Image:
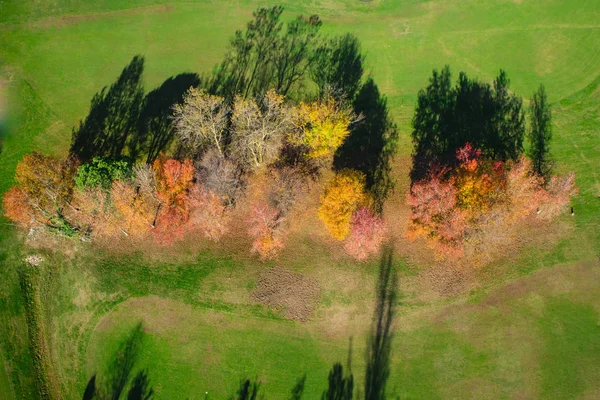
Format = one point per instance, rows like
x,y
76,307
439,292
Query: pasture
x,y
523,327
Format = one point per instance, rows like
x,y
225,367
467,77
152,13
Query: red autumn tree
x,y
435,214
173,181
264,223
367,232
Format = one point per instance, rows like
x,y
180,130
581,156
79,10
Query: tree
x,y
101,172
343,195
367,233
47,181
17,208
258,130
446,118
207,213
220,175
48,184
540,133
201,120
135,209
93,212
266,56
293,52
264,224
323,126
173,179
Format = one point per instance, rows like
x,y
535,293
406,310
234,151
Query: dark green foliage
x,y
113,116
488,117
338,66
101,172
372,142
340,387
380,341
263,57
540,133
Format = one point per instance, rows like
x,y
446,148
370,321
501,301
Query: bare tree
x,y
201,120
258,130
220,175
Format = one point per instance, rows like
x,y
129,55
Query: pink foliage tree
x,y
367,233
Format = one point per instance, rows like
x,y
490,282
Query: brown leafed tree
x,y
207,213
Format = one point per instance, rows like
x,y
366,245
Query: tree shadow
x,y
337,66
248,390
90,389
122,120
113,116
119,373
140,387
339,385
380,340
298,389
372,143
155,131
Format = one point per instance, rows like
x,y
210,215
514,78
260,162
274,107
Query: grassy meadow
x,y
527,329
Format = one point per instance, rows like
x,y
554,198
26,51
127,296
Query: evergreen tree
x,y
540,133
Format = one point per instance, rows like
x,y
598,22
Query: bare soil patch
x,y
293,294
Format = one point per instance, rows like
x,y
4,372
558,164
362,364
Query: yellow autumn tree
x,y
344,194
323,126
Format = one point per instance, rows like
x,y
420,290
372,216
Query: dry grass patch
x,y
293,294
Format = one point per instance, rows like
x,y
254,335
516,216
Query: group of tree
x,y
252,119
473,188
255,119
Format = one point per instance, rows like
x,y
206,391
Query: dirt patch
x,y
295,295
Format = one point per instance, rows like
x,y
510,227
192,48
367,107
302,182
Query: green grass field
x,y
531,331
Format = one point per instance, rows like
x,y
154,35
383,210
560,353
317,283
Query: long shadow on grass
x,y
119,373
155,130
122,120
380,339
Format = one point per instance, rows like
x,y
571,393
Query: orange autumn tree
x,y
44,190
478,182
173,181
264,227
17,208
343,195
135,210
